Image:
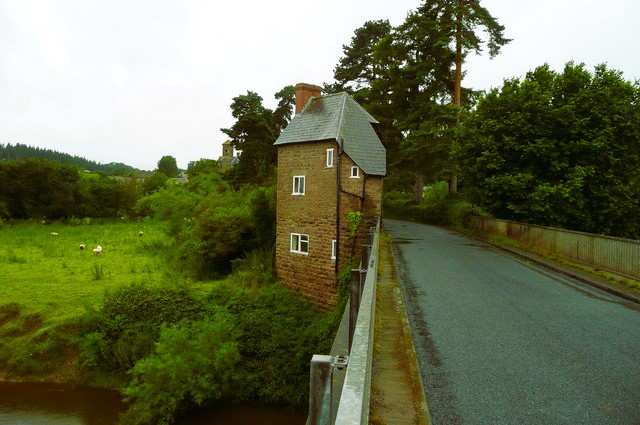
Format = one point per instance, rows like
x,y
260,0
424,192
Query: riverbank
x,y
63,404
74,317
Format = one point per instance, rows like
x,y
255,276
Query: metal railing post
x,y
366,252
320,391
354,302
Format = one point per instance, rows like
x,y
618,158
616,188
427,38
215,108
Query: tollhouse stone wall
x,y
315,214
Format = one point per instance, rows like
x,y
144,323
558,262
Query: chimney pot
x,y
304,92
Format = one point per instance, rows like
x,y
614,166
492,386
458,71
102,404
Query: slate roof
x,y
339,117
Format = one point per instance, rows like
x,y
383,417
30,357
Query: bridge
x,y
497,338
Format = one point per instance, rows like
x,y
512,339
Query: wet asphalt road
x,y
501,341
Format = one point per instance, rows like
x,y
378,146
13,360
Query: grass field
x,y
47,282
50,273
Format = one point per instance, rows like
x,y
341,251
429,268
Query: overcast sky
x,y
133,80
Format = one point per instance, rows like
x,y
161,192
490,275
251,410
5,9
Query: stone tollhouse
x,y
331,162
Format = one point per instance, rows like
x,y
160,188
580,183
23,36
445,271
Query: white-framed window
x,y
329,158
355,172
300,243
298,185
334,249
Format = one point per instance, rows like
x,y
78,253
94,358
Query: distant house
x,y
331,162
227,160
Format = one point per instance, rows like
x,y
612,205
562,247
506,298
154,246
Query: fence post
x,y
354,303
366,253
320,391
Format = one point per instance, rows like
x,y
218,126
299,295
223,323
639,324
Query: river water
x,y
60,404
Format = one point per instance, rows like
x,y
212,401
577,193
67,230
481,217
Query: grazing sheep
x,y
140,233
54,233
82,247
97,250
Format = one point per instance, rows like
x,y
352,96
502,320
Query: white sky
x,y
133,80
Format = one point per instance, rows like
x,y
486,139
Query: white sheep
x,y
97,250
82,247
140,233
54,233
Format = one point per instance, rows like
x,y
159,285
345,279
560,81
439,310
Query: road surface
x,y
502,341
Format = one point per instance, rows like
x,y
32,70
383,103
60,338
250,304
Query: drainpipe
x,y
338,193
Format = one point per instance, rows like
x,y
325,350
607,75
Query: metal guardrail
x,y
617,255
352,408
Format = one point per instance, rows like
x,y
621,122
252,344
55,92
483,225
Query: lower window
x,y
300,243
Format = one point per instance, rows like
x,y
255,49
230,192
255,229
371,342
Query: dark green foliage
x,y
37,188
168,166
278,333
254,132
262,202
356,70
211,223
223,231
194,363
437,206
245,341
558,149
154,182
404,76
19,152
127,326
202,166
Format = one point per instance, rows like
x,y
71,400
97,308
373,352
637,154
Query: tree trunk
x,y
457,90
418,187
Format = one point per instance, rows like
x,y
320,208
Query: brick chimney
x,y
304,92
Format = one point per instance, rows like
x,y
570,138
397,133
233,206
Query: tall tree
x,y
469,17
418,87
255,130
356,70
560,149
168,166
410,78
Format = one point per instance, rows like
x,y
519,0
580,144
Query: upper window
x,y
329,157
298,185
355,172
300,243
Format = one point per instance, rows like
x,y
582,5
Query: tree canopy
x,y
559,149
168,166
409,78
19,151
254,132
38,188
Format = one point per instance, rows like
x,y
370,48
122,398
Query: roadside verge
x,y
398,396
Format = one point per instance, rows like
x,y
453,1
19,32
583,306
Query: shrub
x,y
194,363
397,204
255,270
126,328
278,333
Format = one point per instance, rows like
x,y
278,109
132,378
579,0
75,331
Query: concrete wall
x,y
617,255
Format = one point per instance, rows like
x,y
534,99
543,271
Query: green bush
x,y
194,363
278,333
437,206
396,204
256,270
128,325
435,193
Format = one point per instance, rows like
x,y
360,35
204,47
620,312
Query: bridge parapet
x,y
616,255
351,407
